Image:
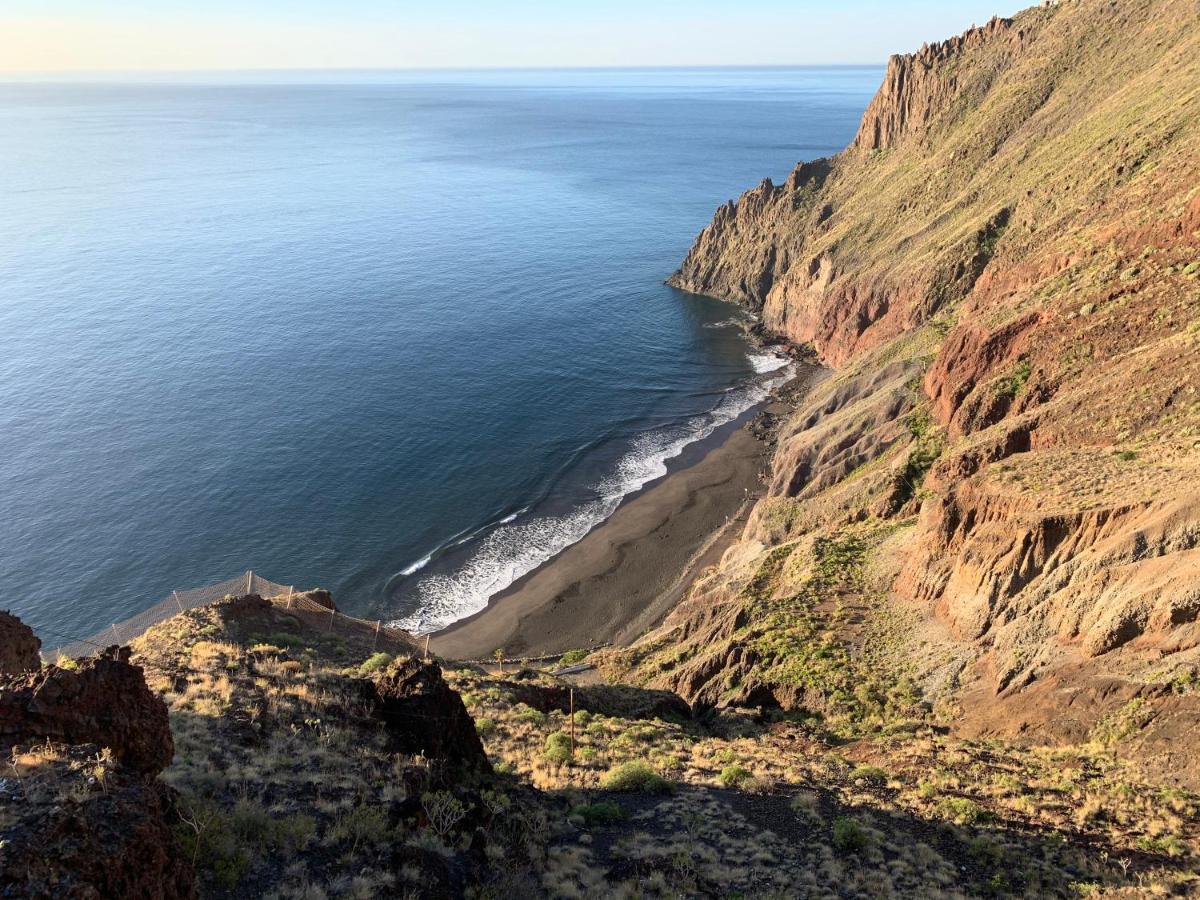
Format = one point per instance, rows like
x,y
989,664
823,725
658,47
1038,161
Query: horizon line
x,y
385,69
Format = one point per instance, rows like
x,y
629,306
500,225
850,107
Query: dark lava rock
x,y
105,701
425,716
115,842
19,646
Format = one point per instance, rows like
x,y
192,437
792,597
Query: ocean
x,y
400,335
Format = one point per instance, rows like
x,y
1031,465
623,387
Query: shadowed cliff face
x,y
1004,270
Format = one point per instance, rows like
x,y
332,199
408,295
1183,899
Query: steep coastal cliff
x,y
1003,271
952,650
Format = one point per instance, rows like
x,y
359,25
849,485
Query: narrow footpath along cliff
x,y
995,501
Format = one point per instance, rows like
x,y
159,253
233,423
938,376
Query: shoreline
x,y
623,577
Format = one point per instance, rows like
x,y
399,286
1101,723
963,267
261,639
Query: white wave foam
x,y
418,565
514,516
513,549
765,361
726,323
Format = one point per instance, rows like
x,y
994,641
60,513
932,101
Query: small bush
x,y
484,726
848,835
374,663
362,826
558,747
604,812
634,776
871,775
734,776
573,657
443,810
531,715
961,810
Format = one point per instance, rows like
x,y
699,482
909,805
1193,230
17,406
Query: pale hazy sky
x,y
58,35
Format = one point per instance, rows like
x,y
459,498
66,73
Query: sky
x,y
175,35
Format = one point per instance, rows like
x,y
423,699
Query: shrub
x,y
961,810
872,775
375,662
531,715
443,810
848,835
734,776
634,776
362,826
484,726
604,812
558,747
573,657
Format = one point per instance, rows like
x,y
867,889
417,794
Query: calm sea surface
x,y
404,336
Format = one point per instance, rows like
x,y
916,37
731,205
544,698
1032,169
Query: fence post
x,y
332,613
290,590
426,648
375,639
572,696
116,634
249,580
178,602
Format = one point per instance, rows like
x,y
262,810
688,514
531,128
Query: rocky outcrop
x,y
919,87
20,649
1031,577
969,356
87,817
424,716
104,701
115,841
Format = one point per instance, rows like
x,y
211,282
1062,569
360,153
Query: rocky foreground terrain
x,y
954,653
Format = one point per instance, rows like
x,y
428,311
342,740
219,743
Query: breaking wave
x,y
518,544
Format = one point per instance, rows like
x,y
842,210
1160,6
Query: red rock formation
x,y
19,646
1014,228
105,701
919,87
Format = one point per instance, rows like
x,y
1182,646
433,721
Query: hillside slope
x,y
995,496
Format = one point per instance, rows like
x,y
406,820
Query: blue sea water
x,y
402,335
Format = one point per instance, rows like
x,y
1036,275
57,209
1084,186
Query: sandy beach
x,y
626,574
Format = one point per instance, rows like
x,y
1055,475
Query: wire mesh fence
x,y
366,634
313,614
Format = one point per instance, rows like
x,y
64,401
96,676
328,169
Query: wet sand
x,y
627,573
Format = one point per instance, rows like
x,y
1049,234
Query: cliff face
x,y
920,87
1003,269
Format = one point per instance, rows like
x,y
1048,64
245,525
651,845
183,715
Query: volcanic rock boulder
x,y
19,647
112,842
105,701
424,716
76,822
